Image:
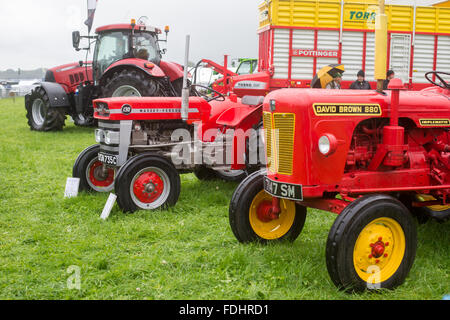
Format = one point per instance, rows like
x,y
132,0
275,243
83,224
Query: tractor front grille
x,y
112,149
280,131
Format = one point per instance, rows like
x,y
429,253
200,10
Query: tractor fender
x,y
241,117
149,68
57,96
173,70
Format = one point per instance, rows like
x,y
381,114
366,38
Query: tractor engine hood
x,y
297,119
149,108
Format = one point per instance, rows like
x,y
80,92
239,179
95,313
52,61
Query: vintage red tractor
x,y
127,62
144,144
375,159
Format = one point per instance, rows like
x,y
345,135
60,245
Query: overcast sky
x,y
37,33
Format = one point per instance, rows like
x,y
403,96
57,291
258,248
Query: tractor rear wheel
x,y
231,175
178,86
251,219
131,83
82,120
439,213
41,116
207,174
372,245
147,182
94,177
204,173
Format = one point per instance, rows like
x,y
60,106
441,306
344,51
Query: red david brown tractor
x,y
141,141
375,159
127,62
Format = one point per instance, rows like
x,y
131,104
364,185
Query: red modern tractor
x,y
376,159
127,62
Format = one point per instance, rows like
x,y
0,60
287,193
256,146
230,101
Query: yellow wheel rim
x,y
425,197
274,229
379,250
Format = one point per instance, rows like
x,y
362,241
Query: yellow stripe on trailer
x,y
357,14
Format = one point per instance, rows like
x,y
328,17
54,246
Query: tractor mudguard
x,y
237,117
149,68
173,70
58,97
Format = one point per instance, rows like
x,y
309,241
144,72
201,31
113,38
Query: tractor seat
x,y
253,101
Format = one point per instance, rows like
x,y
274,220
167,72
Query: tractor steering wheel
x,y
220,96
443,84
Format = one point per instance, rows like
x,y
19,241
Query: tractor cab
x,y
123,41
119,42
247,66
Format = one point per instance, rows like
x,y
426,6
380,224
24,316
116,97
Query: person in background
x,y
389,76
143,54
361,83
336,83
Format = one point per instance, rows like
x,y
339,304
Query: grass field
x,y
188,252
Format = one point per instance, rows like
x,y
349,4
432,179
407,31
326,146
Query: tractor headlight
x,y
99,136
328,144
112,137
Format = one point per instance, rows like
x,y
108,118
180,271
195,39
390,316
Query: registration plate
x,y
283,190
108,159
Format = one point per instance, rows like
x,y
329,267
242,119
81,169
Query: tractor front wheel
x,y
93,175
251,217
147,182
41,116
372,245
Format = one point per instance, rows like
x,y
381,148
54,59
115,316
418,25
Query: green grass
x,y
188,252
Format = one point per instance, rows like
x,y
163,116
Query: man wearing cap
x,y
336,83
361,83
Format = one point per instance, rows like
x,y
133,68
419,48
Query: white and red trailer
x,y
299,37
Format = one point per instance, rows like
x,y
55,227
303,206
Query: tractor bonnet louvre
x,y
284,125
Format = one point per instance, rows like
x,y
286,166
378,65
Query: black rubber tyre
x,y
425,214
349,230
178,86
88,169
205,174
81,120
231,176
240,214
143,84
42,117
134,169
421,215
